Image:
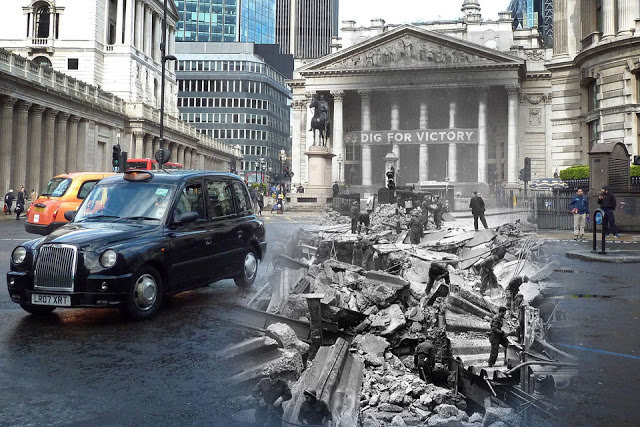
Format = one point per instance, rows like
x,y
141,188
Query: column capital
x,y
37,109
138,134
62,116
299,104
338,94
512,90
364,93
50,114
7,101
22,106
75,120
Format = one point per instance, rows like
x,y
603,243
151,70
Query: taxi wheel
x,y
247,276
37,310
145,296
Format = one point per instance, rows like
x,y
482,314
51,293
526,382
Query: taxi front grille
x,y
56,267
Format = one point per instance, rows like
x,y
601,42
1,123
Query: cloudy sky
x,y
407,11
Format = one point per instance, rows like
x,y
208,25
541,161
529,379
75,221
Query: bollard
x,y
598,217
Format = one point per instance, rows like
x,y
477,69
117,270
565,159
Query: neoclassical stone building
x,y
77,77
465,101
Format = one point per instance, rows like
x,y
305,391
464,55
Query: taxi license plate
x,y
57,300
37,209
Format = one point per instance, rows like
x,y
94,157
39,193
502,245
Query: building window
x,y
43,20
594,134
72,63
594,103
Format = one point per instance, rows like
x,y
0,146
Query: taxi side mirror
x,y
70,215
185,218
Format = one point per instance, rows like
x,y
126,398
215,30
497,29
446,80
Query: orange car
x,y
63,193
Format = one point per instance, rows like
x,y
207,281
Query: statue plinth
x,y
319,159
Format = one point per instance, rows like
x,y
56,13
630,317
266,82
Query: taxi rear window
x,y
57,187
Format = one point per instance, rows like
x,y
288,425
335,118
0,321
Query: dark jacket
x,y
355,212
270,391
496,333
314,413
424,351
608,201
476,204
437,270
581,203
8,198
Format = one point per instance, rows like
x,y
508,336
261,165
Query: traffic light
x,y
286,171
527,169
115,158
521,176
391,174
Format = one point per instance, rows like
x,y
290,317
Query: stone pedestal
x,y
317,192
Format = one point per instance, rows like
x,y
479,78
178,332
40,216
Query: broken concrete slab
x,y
389,320
383,289
287,338
481,237
371,344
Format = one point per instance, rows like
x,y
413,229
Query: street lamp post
x,y
339,167
162,155
262,168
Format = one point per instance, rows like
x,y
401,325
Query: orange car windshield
x,y
57,187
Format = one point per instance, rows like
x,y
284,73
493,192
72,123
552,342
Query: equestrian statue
x,y
320,119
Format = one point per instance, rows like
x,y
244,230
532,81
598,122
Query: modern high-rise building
x,y
226,21
534,13
305,28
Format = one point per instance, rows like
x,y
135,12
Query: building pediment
x,y
409,47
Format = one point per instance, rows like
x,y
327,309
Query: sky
x,y
408,11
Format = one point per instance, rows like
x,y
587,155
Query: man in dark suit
x,y
477,209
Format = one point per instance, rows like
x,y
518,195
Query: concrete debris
x,y
385,305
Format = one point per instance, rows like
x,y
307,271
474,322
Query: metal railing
x,y
343,202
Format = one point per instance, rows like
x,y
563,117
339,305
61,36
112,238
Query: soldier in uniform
x,y
497,337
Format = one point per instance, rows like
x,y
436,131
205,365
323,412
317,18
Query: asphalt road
x,y
94,367
601,302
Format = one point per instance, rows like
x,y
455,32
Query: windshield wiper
x,y
137,218
97,216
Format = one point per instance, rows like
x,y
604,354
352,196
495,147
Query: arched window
x,y
43,61
42,22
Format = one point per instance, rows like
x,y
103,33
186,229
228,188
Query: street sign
x,y
598,218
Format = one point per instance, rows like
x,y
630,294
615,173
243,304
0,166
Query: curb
x,y
612,256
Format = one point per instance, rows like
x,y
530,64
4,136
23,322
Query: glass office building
x,y
226,21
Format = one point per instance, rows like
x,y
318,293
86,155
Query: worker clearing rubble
x,y
415,228
513,288
424,358
497,337
437,271
357,254
314,412
271,392
485,267
355,215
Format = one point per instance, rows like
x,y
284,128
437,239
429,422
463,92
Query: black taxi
x,y
138,237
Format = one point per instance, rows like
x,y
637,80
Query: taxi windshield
x,y
126,201
57,187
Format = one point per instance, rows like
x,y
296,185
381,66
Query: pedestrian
x,y
367,254
477,209
314,411
424,358
271,392
497,337
33,196
280,203
437,271
8,202
371,202
355,214
425,207
438,210
322,253
335,189
300,189
415,228
20,202
254,197
513,288
580,209
357,253
607,202
260,199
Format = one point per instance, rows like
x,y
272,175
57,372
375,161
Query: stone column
x,y
147,31
106,24
129,23
560,42
81,157
35,147
365,124
188,156
482,136
6,141
171,42
512,134
119,21
148,147
337,138
423,153
181,154
72,149
48,147
157,38
452,162
608,18
627,14
139,22
298,149
395,125
154,147
138,149
60,165
20,147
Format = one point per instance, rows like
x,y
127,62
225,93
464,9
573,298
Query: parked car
x,y
63,193
138,237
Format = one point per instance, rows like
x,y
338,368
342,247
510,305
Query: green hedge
x,y
582,171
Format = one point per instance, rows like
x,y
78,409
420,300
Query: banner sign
x,y
421,136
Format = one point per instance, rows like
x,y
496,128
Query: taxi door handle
x,y
240,234
208,242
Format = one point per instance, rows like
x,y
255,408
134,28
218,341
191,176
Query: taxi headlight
x,y
18,255
108,258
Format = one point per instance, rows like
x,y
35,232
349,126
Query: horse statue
x,y
320,119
